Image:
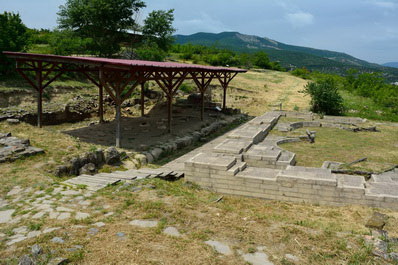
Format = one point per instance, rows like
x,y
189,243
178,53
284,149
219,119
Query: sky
x,y
366,29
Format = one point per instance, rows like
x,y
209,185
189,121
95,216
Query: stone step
x,y
286,159
238,167
259,173
233,146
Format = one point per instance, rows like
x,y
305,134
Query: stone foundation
x,y
250,163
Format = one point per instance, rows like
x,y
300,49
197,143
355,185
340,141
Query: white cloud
x,y
204,23
300,19
385,4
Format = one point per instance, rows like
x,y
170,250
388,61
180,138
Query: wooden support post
x,y
142,100
39,80
101,103
170,112
224,101
202,108
118,125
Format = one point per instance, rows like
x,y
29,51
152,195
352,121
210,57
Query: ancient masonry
x,y
248,162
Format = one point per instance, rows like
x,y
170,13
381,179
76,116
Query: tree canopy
x,y
104,21
158,28
13,37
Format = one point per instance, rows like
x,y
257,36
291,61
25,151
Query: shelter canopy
x,y
120,77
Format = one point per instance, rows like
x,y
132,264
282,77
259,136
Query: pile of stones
x,y
12,148
90,162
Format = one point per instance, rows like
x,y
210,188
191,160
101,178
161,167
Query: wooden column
x,y
118,126
39,80
169,82
202,81
225,78
101,103
142,100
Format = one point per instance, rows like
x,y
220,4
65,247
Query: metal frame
x,y
119,78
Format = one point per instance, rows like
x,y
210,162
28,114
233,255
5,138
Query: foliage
x,y
151,52
261,60
103,21
224,57
13,37
158,28
325,97
66,42
374,86
301,72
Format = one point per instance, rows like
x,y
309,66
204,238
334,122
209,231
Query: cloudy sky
x,y
367,29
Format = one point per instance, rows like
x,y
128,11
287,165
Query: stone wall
x,y
253,165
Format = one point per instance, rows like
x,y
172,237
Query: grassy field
x,y
331,144
315,234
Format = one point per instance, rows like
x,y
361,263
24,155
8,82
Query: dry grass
x,y
258,91
315,234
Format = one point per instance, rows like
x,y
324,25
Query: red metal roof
x,y
107,62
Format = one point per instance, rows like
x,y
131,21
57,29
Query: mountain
x,y
289,56
391,64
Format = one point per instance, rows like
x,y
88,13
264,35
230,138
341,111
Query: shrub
x,y
325,98
301,72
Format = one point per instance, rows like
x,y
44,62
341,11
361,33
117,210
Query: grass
x,y
339,145
315,234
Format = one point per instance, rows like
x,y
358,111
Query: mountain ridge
x,y
289,56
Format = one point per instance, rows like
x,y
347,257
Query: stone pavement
x,y
248,162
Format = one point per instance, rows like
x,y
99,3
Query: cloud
x,y
300,19
385,4
204,23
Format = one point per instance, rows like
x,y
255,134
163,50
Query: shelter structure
x,y
119,78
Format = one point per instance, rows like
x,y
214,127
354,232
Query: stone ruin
x,y
247,161
12,148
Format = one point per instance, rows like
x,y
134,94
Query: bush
x,y
301,72
325,98
13,37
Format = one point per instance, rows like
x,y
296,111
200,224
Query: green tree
x,y
325,97
261,60
103,21
158,28
13,37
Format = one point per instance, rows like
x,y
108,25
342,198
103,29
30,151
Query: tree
x,y
261,60
13,37
325,98
158,28
104,21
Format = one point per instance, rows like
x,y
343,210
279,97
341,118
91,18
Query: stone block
x,y
233,146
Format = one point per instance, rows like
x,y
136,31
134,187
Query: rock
x,y
393,256
57,240
112,156
13,121
38,215
292,258
74,166
36,250
93,231
49,230
20,230
63,209
81,216
6,216
15,239
141,158
99,224
220,247
99,157
33,234
144,223
62,171
63,216
156,152
172,231
149,157
58,261
120,234
257,258
15,191
26,260
377,221
88,169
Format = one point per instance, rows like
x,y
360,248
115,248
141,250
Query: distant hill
x,y
289,56
391,64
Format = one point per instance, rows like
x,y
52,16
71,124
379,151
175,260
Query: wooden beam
x,y
142,100
202,81
39,80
